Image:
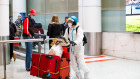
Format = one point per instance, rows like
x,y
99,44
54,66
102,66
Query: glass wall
x,y
47,8
113,15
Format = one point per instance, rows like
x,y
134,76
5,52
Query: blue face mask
x,y
19,17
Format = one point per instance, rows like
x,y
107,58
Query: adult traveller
x,y
75,34
28,33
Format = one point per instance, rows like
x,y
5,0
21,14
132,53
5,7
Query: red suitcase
x,y
16,44
64,68
65,53
45,66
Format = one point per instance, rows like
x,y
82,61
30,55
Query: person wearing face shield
x,y
75,34
28,33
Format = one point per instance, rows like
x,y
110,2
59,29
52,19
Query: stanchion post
x,y
39,47
44,46
4,59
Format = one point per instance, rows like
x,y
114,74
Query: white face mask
x,y
70,24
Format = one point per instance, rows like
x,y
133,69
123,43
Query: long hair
x,y
55,19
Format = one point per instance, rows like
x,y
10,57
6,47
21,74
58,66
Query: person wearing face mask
x,y
18,22
28,33
65,25
75,34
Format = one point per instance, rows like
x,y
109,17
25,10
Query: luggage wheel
x,y
45,76
60,77
68,59
67,78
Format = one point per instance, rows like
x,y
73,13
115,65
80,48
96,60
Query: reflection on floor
x,y
101,67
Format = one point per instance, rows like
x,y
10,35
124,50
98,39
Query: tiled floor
x,y
109,69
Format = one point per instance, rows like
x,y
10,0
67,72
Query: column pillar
x,y
90,21
4,27
19,6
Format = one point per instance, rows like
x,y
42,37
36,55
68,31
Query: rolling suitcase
x,y
16,44
64,68
45,66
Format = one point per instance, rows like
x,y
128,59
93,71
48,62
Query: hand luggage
x,y
41,30
65,53
16,44
64,68
45,66
37,30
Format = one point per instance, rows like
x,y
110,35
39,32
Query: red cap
x,y
33,12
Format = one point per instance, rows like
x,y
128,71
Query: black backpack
x,y
84,38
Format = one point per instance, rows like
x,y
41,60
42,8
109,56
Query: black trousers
x,y
11,48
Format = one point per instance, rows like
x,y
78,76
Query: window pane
x,y
113,15
56,6
73,5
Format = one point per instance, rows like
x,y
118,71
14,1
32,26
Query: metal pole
x,y
44,46
131,7
4,59
39,47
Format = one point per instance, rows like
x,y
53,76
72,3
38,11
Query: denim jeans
x,y
28,53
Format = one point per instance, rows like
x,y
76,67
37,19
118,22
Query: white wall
x,y
90,15
18,7
4,17
124,45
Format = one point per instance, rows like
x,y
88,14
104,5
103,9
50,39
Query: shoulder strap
x,y
68,30
77,29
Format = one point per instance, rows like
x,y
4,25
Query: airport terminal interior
x,y
111,27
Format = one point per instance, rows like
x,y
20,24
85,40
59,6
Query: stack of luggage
x,y
38,28
51,66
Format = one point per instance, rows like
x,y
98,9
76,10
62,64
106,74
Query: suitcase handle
x,y
49,56
56,66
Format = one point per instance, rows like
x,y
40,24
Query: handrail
x,y
25,40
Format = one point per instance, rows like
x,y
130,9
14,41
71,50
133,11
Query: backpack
x,y
84,38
